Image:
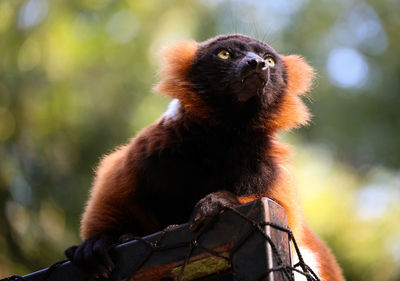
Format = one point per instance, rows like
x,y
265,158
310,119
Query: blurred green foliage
x,y
76,78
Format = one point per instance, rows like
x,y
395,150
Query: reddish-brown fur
x,y
329,269
112,199
177,61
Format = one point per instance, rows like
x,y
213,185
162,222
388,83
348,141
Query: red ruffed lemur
x,y
215,146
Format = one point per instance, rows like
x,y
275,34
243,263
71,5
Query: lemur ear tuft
x,y
292,112
299,74
177,60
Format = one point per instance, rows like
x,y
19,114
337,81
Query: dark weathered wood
x,y
249,261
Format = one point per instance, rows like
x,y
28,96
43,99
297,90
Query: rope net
x,y
287,271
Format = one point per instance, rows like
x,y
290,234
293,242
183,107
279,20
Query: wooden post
x,y
239,243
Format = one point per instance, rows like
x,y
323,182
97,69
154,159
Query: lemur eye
x,y
270,61
224,54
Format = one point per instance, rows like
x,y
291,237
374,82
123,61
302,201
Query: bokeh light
x,y
347,68
32,13
361,28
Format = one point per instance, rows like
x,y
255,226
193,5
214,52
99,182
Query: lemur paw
x,y
211,205
93,255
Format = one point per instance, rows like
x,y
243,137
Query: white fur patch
x,y
310,258
173,110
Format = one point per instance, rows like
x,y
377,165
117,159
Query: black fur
x,y
94,255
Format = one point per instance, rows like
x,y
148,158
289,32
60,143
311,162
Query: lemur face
x,y
235,69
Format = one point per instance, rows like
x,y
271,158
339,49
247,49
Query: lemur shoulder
x,y
215,146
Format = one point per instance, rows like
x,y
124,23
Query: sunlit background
x,y
76,78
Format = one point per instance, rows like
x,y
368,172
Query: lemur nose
x,y
256,63
253,64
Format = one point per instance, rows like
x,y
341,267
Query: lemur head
x,y
233,73
234,69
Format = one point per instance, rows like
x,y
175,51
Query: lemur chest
x,y
206,164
